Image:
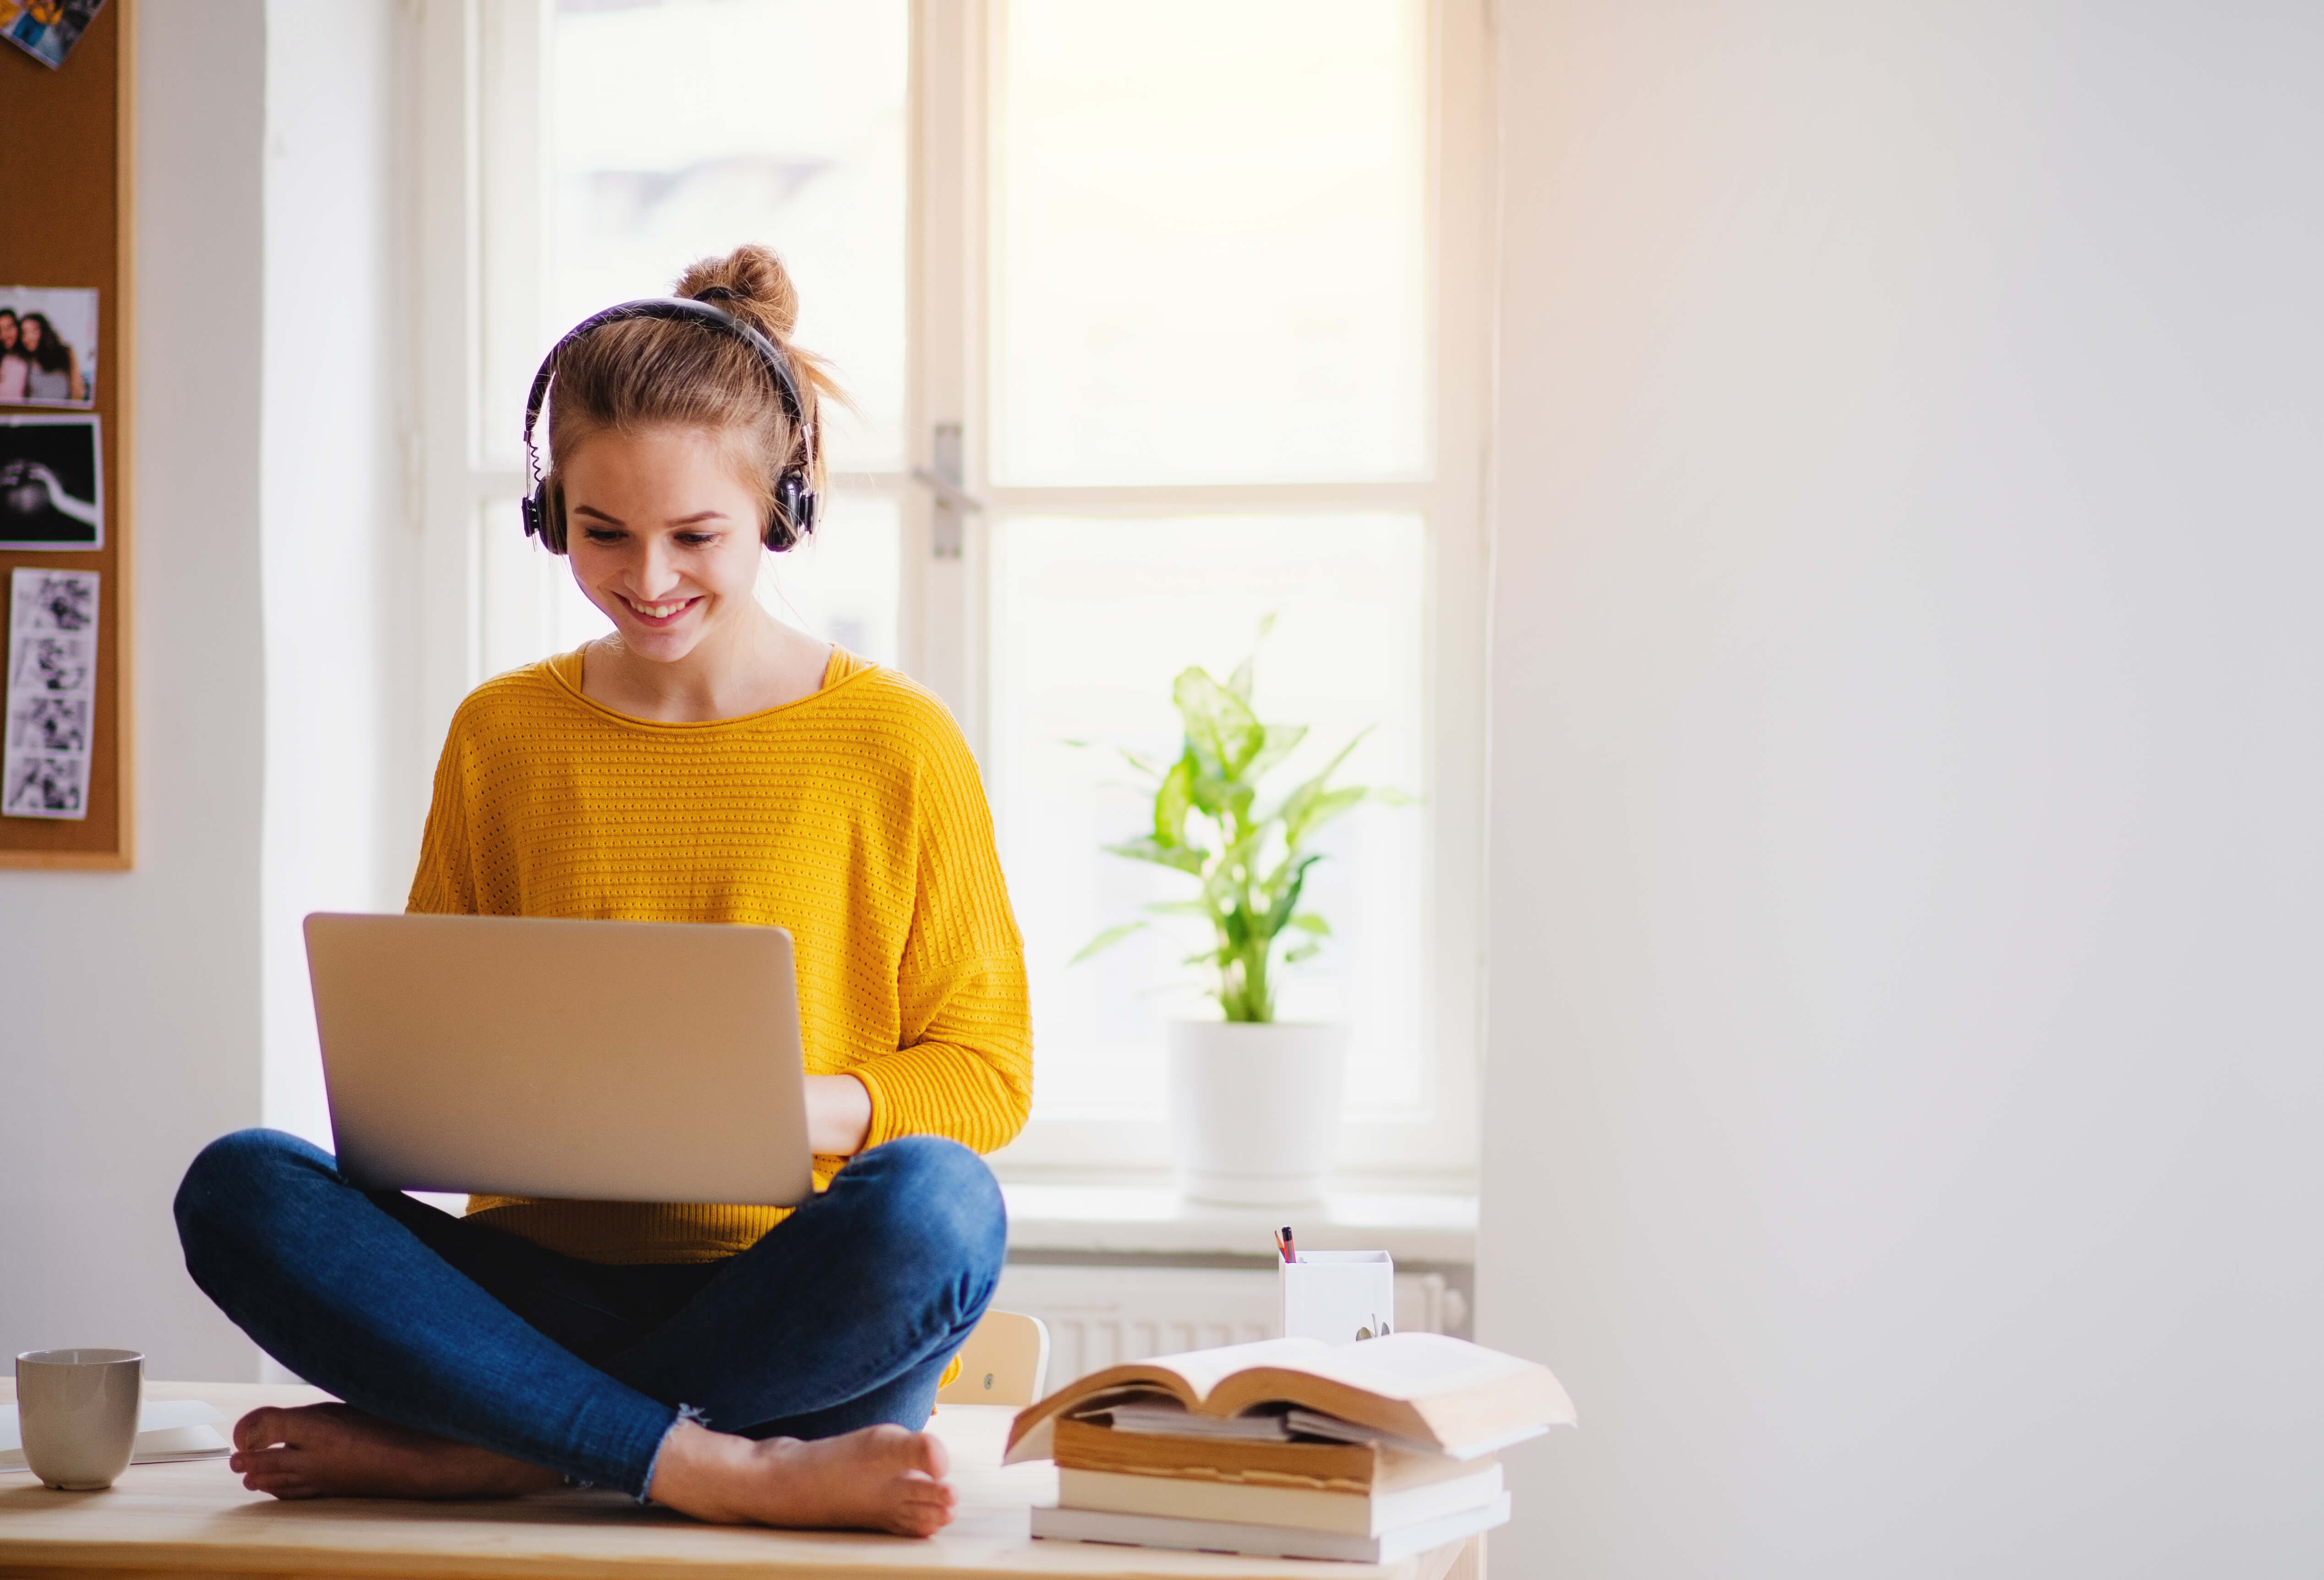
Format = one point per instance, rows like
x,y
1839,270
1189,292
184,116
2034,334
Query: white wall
x,y
1904,1056
132,1035
162,1007
342,802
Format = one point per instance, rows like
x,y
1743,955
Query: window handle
x,y
943,481
948,493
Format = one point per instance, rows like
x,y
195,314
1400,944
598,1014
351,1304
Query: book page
x,y
1200,1371
1413,1366
1205,1370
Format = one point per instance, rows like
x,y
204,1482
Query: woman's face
x,y
7,332
31,333
664,537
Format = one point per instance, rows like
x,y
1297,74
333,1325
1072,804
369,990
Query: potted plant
x,y
1254,1101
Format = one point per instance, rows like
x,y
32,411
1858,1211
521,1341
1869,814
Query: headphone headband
x,y
794,501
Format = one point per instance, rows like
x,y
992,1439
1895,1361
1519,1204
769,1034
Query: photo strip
x,y
52,706
47,344
51,483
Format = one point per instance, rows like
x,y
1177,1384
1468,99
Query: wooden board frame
x,y
76,225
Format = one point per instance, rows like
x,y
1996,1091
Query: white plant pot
x,y
1255,1109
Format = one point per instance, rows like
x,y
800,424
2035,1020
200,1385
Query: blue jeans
x,y
842,1316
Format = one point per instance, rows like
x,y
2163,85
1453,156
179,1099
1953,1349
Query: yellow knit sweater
x,y
854,817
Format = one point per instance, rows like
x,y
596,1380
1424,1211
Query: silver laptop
x,y
602,1060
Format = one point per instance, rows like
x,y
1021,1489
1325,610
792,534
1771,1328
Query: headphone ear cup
x,y
549,510
794,515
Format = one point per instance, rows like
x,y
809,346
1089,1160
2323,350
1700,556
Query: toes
x,y
920,1517
932,1457
270,1461
277,1483
261,1428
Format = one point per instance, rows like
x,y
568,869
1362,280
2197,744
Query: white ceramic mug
x,y
78,1409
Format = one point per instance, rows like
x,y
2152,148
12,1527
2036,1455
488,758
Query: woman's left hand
x,y
838,1116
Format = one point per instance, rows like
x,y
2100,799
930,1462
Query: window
x,y
1185,300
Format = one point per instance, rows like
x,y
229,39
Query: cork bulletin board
x,y
65,227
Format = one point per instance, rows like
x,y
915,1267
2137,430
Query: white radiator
x,y
1100,1316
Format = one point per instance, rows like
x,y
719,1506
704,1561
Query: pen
x,y
1285,1244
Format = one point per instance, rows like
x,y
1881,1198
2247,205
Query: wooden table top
x,y
195,1518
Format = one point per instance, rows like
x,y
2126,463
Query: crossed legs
x,y
785,1385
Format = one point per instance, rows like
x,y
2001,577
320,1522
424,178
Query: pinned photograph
x,y
52,666
47,30
47,344
51,709
40,786
52,489
47,724
53,600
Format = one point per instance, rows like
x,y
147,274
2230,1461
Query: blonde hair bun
x,y
752,283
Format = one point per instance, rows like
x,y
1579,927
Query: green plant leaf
x,y
1234,926
1282,740
1184,858
1322,809
1171,799
1287,900
1144,765
1176,908
1309,922
1294,808
1239,682
1107,940
1224,733
1214,796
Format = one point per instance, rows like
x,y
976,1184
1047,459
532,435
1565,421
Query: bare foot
x,y
335,1451
881,1478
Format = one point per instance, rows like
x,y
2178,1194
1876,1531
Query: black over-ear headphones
x,y
794,511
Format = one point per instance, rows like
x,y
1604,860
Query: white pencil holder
x,y
1338,1296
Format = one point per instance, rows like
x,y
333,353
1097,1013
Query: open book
x,y
1416,1389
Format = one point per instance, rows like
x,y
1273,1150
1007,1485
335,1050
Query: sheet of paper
x,y
166,1428
52,698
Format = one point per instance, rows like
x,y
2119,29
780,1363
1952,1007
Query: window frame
x,y
481,214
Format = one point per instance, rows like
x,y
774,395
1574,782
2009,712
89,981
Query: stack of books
x,y
1290,1447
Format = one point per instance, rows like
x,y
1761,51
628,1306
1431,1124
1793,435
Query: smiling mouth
x,y
660,614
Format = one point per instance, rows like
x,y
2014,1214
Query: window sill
x,y
1153,1220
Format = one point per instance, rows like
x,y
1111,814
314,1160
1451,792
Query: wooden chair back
x,y
1006,1360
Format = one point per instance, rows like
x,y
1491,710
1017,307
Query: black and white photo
x,y
50,665
41,786
52,709
47,724
48,346
54,600
51,484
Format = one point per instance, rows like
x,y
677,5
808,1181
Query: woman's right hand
x,y
838,1116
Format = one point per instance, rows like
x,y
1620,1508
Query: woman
x,y
14,367
54,374
704,763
